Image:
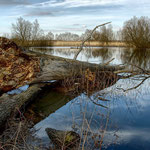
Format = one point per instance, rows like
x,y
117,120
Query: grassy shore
x,y
89,43
55,43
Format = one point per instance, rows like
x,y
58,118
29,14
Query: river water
x,y
120,123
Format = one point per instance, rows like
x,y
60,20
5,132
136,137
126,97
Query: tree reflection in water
x,y
104,53
106,117
138,57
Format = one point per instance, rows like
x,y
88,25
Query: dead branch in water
x,y
136,73
88,38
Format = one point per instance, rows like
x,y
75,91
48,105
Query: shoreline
x,y
74,44
89,44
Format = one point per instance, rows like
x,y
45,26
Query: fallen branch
x,y
88,38
135,87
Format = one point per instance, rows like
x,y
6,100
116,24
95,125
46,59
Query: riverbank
x,y
76,44
89,43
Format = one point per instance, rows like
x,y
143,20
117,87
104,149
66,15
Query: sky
x,y
74,16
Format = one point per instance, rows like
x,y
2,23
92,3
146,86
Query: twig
x,y
98,104
19,128
107,63
106,125
135,87
103,99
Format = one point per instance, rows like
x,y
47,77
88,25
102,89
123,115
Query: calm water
x,y
123,123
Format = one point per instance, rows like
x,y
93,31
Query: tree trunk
x,y
9,103
57,68
18,69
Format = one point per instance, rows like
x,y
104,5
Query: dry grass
x,y
18,136
89,43
71,43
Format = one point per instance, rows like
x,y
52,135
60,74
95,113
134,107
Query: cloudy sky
x,y
71,15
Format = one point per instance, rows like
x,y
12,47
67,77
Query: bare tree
x,y
118,35
136,32
106,34
67,37
86,34
49,36
96,35
26,32
36,30
22,30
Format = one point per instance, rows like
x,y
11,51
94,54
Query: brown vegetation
x,y
136,32
76,44
16,67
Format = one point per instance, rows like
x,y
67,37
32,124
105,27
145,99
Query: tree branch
x,y
89,37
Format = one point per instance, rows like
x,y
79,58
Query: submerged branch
x,y
135,87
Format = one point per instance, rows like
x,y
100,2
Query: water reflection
x,y
122,124
139,57
105,53
88,54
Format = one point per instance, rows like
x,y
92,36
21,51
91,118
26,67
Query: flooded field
x,y
116,117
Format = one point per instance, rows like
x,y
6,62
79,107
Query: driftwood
x,y
18,69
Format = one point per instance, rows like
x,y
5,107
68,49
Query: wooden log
x,y
57,68
18,69
10,103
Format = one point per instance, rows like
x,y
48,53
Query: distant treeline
x,y
135,32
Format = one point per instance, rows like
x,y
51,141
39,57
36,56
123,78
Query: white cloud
x,y
62,14
78,3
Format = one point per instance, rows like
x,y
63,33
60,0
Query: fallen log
x,y
12,103
63,91
57,68
18,68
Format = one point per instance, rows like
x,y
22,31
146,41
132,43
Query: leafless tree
x,y
36,30
136,32
22,30
118,35
106,34
49,36
67,37
26,31
86,34
96,36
